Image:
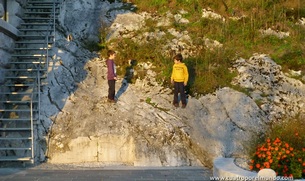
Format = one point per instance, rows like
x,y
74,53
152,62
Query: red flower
x,y
266,164
258,165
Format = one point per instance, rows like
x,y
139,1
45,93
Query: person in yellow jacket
x,y
179,78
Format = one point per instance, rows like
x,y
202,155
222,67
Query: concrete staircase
x,y
23,81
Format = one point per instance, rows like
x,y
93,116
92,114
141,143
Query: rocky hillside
x,y
143,128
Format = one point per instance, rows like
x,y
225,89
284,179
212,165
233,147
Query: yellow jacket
x,y
180,73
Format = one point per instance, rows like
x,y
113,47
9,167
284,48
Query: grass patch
x,y
209,69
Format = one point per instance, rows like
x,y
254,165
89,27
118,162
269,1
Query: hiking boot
x,y
183,105
176,104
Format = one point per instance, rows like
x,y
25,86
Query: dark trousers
x,y
179,88
111,90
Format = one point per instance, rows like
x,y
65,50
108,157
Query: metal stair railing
x,y
46,48
32,124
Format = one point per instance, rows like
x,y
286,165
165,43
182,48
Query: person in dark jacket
x,y
111,75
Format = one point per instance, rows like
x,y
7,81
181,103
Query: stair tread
x,y
48,6
43,2
27,29
31,42
18,93
14,158
23,55
32,49
20,102
15,119
21,77
33,35
15,129
37,18
34,62
16,148
18,85
27,70
41,13
15,138
16,110
50,1
36,24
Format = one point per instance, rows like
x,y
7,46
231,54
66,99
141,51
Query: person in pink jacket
x,y
111,75
179,78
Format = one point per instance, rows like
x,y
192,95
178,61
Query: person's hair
x,y
110,52
178,57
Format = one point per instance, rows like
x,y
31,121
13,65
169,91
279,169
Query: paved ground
x,y
106,174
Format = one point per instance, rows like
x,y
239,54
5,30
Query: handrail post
x,y
32,129
5,10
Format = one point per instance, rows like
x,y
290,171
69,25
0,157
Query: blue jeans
x,y
179,88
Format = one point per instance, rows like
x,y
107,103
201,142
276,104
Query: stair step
x,y
43,2
36,37
15,148
15,129
15,158
33,63
17,93
15,138
36,24
31,55
37,18
15,119
16,110
31,49
41,13
18,85
44,7
27,29
21,85
32,42
26,70
21,77
18,102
